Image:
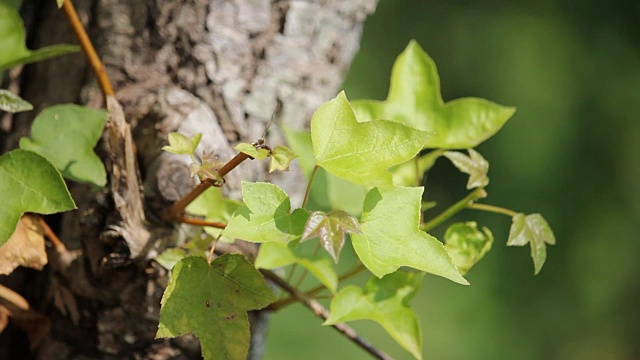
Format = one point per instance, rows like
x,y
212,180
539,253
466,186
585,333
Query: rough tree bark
x,y
220,67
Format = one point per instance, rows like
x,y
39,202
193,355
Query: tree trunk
x,y
219,67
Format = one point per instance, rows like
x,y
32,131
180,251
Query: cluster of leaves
x,y
365,159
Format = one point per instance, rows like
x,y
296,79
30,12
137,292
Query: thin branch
x,y
55,241
308,191
323,313
200,222
492,208
454,209
88,49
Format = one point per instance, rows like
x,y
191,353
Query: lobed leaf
x,y
211,301
474,165
391,237
384,301
252,150
66,135
281,157
13,103
330,229
467,244
215,207
534,230
412,172
414,100
35,186
182,145
361,152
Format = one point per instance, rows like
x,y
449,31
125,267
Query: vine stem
x,y
200,222
454,209
493,209
323,313
88,49
308,190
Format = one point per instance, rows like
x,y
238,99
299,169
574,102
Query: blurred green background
x,y
571,152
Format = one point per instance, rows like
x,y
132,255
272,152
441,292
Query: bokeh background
x,y
571,152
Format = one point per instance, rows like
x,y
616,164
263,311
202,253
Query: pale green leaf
x,y
12,42
265,215
211,301
252,150
214,207
274,255
391,237
281,157
412,172
29,183
532,229
414,100
361,152
330,229
60,3
170,257
182,145
13,103
474,165
66,135
384,301
467,244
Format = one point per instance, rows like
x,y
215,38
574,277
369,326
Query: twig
x,y
492,208
88,49
454,209
323,313
57,244
200,222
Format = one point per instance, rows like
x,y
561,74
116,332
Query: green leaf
x,y
281,157
60,3
330,229
532,229
215,207
211,301
466,244
182,145
13,103
384,301
361,152
29,183
252,150
275,255
265,215
12,42
66,135
412,172
391,237
414,100
170,257
474,165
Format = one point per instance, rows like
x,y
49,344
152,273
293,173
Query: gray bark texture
x,y
219,67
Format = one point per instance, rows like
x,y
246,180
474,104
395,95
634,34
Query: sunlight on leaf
x,y
414,100
66,135
215,207
330,229
384,301
281,157
25,247
252,150
534,230
13,103
211,301
466,244
182,145
474,165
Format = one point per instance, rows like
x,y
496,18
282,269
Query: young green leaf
x,y
13,103
215,207
361,152
265,215
60,3
66,135
182,145
211,301
281,157
12,41
253,151
208,168
474,165
467,244
412,172
384,301
275,255
391,237
170,257
35,186
330,229
414,100
532,229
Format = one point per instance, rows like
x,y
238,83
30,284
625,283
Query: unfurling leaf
x,y
13,103
467,244
215,207
252,150
281,157
265,215
25,247
208,168
391,237
474,165
414,100
211,301
66,135
361,152
182,145
384,301
330,229
532,229
275,255
34,185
